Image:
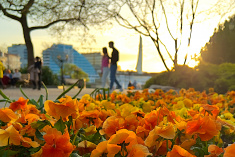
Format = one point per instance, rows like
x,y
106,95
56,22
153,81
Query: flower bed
x,y
136,124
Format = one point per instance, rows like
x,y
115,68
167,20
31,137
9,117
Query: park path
x,y
53,93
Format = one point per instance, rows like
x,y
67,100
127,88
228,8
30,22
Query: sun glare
x,y
126,41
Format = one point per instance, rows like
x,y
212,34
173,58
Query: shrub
x,y
48,77
221,86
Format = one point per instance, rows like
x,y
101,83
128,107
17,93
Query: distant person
x,y
113,67
129,84
33,75
7,76
105,66
38,65
134,84
2,68
15,77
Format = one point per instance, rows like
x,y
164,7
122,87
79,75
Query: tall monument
x,y
140,58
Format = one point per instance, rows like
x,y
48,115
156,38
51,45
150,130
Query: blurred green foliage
x,y
204,76
220,48
75,72
48,77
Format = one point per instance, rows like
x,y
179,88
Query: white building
x,y
21,51
50,59
10,61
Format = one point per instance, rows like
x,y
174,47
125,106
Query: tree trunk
x,y
28,41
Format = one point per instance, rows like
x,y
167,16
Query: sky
x,y
125,40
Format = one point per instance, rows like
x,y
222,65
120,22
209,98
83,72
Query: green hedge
x,y
204,76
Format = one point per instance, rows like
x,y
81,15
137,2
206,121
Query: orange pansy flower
x,y
167,132
27,142
6,115
142,132
107,105
90,130
77,124
20,104
204,126
57,145
11,135
213,109
162,150
104,114
122,136
214,150
91,118
85,147
153,119
66,107
139,114
32,109
131,123
230,151
100,150
138,150
111,125
31,118
187,144
177,151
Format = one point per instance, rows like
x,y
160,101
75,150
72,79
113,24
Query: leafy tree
x,y
48,77
169,24
24,70
75,72
220,48
61,14
204,76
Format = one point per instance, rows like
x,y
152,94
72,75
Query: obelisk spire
x,y
140,58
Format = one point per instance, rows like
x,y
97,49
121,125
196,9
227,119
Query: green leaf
x,y
3,95
34,149
66,91
41,104
60,125
118,155
78,92
93,91
40,124
39,135
32,101
87,155
46,90
74,155
8,153
5,100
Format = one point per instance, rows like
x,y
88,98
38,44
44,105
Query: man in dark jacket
x,y
113,67
38,65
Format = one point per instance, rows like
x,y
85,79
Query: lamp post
x,y
62,67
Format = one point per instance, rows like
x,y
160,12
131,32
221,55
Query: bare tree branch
x,y
7,14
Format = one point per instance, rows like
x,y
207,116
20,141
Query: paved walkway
x,y
53,93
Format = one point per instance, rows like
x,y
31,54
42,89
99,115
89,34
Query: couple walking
x,y
113,66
